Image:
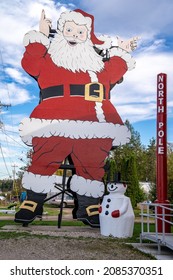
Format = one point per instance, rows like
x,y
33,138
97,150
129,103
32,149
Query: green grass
x,y
44,223
54,211
133,239
13,235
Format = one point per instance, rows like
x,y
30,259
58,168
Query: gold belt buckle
x,y
95,98
29,205
91,207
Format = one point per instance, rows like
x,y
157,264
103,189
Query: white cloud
x,y
132,16
17,75
12,151
139,88
18,18
137,112
13,124
14,94
10,155
12,138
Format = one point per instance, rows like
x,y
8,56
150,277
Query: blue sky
x,y
135,98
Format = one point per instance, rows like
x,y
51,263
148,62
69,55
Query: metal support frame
x,y
62,187
151,216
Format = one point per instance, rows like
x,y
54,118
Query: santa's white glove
x,y
45,24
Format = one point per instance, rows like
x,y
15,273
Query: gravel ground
x,y
67,243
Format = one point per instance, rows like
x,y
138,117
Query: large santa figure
x,y
75,115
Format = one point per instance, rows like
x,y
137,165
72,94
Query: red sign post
x,y
161,180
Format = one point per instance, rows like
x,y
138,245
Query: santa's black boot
x,y
31,208
87,211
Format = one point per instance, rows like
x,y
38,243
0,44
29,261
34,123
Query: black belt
x,y
75,90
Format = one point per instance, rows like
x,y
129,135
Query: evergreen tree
x,y
130,161
133,189
110,170
6,185
150,166
134,147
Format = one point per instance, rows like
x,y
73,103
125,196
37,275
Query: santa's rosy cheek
x,y
66,34
82,36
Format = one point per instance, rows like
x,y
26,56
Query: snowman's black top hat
x,y
116,179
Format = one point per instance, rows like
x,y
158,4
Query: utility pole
x,y
14,178
14,172
6,106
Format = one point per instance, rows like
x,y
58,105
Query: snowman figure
x,y
116,213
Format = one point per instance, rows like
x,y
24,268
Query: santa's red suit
x,y
75,117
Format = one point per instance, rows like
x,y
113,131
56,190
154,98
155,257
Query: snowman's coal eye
x,y
112,187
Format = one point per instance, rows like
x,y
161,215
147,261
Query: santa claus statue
x,y
75,72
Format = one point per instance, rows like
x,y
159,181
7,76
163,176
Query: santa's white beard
x,y
81,57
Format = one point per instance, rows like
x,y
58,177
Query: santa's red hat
x,y
81,17
94,39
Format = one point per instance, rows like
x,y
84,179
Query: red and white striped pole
x,y
161,179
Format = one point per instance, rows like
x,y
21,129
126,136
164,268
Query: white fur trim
x,y
31,127
98,105
93,76
107,42
39,183
36,37
99,112
114,41
116,51
86,187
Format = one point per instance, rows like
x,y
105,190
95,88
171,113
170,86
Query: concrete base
x,y
152,249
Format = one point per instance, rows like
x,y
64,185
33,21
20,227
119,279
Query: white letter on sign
x,y
161,124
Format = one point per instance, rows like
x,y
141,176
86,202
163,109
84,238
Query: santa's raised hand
x,y
45,24
128,45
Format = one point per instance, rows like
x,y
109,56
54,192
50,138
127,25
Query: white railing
x,y
157,223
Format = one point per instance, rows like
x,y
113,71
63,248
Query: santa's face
x,y
74,34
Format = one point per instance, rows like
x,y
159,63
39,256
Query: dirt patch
x,y
34,248
65,244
